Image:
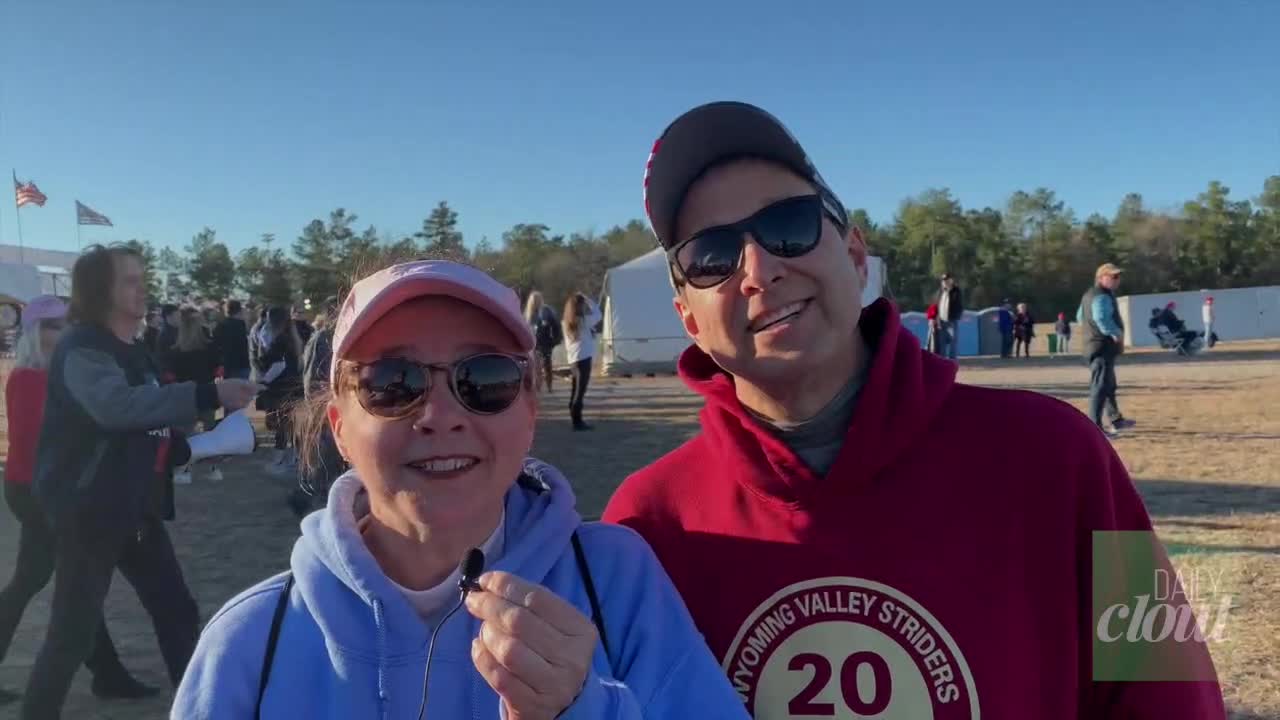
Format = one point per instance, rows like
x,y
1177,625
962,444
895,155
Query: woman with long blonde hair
x,y
580,318
547,335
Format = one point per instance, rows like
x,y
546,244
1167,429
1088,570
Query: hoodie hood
x,y
903,392
361,612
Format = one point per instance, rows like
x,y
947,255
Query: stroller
x,y
1173,333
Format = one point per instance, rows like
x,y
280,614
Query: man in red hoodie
x,y
841,534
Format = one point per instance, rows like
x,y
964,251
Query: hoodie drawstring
x,y
379,620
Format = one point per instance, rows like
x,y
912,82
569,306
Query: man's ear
x,y
858,251
686,316
858,248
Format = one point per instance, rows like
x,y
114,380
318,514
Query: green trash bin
x,y
1053,343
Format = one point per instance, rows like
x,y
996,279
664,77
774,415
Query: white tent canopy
x,y
641,331
19,283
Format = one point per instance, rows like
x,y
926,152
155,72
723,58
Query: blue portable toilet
x,y
918,325
969,333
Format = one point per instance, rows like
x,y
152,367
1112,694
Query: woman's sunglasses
x,y
788,228
485,384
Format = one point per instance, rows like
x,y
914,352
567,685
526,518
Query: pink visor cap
x,y
378,294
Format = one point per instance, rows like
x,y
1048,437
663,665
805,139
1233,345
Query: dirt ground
x,y
1205,456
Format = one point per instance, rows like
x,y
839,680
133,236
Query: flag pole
x,y
17,211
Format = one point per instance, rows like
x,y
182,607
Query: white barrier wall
x,y
1239,313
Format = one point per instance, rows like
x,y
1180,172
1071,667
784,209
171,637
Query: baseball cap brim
x,y
703,136
380,293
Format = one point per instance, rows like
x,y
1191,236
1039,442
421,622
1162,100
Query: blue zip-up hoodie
x,y
351,645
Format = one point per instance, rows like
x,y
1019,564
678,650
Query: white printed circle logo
x,y
848,648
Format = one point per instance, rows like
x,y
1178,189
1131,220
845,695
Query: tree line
x,y
1032,250
1036,250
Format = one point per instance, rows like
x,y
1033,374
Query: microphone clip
x,y
471,569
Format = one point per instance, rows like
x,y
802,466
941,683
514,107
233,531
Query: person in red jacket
x,y
841,535
42,324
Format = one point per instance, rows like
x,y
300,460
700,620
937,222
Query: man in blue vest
x,y
1103,330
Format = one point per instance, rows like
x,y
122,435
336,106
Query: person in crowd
x,y
579,324
819,524
279,343
950,310
1063,328
1103,341
548,334
102,474
1005,317
570,619
167,339
259,339
1206,315
933,340
303,324
318,471
42,324
195,360
151,332
231,338
1024,328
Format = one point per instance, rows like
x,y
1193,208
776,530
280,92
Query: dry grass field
x,y
1205,456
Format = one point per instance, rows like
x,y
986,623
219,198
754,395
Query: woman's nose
x,y
441,412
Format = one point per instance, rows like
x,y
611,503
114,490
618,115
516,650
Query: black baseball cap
x,y
708,134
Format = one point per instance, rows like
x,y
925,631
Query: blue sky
x,y
256,117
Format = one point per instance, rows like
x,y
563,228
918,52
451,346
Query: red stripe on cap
x,y
648,169
656,144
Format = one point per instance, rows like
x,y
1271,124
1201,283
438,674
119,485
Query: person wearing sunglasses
x,y
838,528
432,403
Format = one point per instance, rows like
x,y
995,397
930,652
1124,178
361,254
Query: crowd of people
x,y
1016,324
284,349
819,522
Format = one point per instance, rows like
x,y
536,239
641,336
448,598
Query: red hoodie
x,y
925,576
24,402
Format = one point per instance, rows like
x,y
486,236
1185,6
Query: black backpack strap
x,y
597,617
273,637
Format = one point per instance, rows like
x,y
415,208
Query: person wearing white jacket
x,y
1206,314
580,317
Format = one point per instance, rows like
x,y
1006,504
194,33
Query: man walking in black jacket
x,y
950,310
103,474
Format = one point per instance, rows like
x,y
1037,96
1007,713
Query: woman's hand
x,y
534,649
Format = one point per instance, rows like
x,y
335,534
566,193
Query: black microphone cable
x,y
471,568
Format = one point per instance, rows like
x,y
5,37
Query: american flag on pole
x,y
86,215
28,193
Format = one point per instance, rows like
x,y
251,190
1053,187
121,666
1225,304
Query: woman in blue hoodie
x,y
433,406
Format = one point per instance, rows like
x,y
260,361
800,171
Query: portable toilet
x,y
968,343
990,341
917,324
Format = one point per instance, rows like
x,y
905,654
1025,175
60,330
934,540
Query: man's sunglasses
x,y
788,228
485,384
